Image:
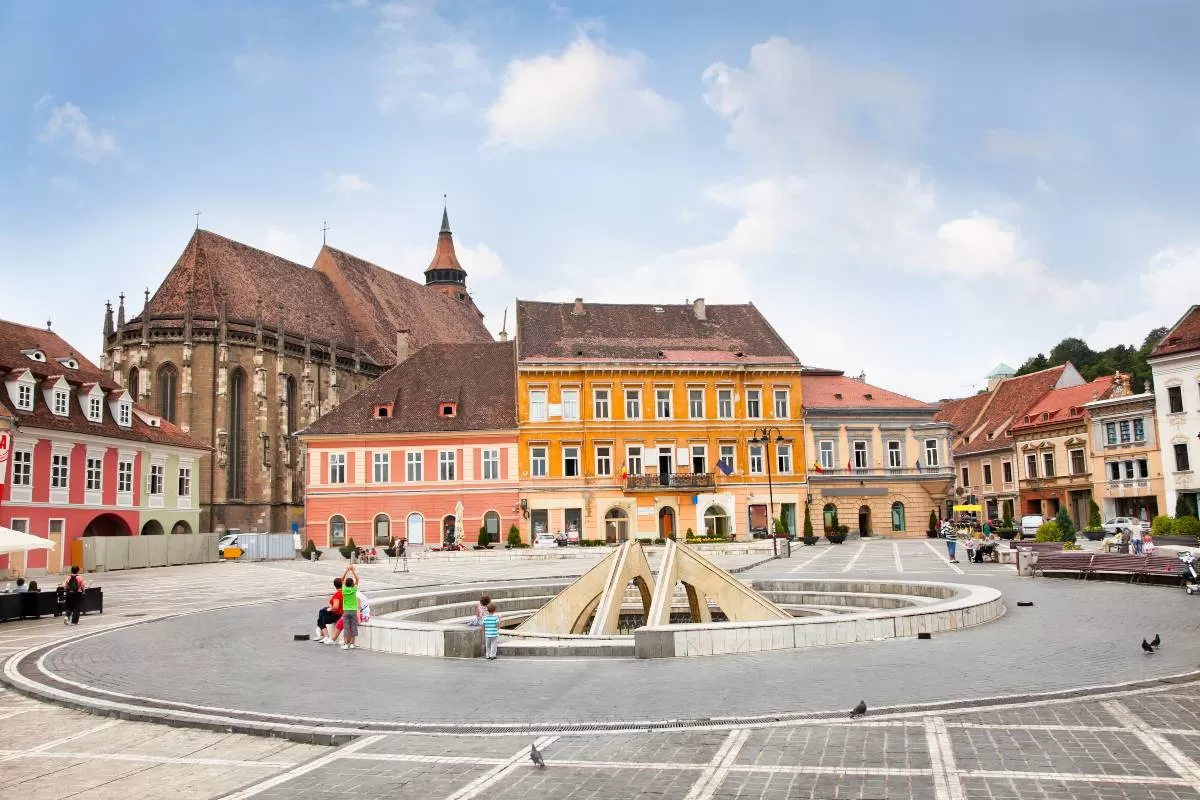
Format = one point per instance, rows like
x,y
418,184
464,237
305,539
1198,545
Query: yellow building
x,y
637,421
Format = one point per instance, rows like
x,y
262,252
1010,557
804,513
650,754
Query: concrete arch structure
x,y
600,590
702,580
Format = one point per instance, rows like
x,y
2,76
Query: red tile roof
x,y
16,338
1183,337
479,379
831,389
997,410
618,332
343,299
1057,406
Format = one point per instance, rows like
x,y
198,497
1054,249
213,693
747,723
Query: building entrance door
x,y
666,523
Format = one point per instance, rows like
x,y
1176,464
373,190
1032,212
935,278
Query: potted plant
x,y
514,537
780,529
837,532
484,538
310,551
1095,528
809,539
1007,533
932,530
349,549
1066,528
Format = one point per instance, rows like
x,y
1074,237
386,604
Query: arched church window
x,y
235,471
168,384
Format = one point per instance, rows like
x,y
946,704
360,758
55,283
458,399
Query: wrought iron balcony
x,y
683,481
885,473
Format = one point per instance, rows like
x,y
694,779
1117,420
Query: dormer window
x,y
869,396
35,355
95,409
25,396
383,411
1045,415
125,414
837,395
69,363
448,410
61,402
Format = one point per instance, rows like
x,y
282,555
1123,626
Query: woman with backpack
x,y
74,588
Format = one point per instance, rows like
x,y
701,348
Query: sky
x,y
913,190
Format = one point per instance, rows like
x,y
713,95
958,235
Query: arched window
x,y
133,384
168,383
716,521
383,530
897,516
830,514
416,528
289,401
491,521
235,471
337,531
616,525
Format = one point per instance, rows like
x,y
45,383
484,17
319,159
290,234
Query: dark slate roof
x,y
618,332
342,299
1183,337
16,338
480,378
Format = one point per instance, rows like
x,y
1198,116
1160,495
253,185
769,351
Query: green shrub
x,y
1094,520
1066,528
1162,525
1187,526
514,536
808,528
350,549
1008,517
1071,546
1048,532
485,538
780,528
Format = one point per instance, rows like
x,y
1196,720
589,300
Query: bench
x,y
1060,562
1037,547
1117,564
1161,566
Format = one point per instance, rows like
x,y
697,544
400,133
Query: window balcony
x,y
681,481
885,473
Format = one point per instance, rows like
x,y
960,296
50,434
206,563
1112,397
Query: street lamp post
x,y
763,436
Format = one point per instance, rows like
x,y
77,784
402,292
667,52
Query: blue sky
x,y
915,190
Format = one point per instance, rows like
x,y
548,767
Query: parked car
x,y
1121,524
545,540
1030,524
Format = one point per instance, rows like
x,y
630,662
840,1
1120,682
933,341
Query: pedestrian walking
x,y
491,632
951,537
74,596
1138,538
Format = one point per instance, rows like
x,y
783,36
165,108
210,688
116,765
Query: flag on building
x,y
849,464
725,467
817,467
918,465
624,470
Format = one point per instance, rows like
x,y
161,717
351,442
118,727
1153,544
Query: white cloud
x,y
1006,143
346,183
1166,287
283,243
69,126
425,59
587,92
258,65
1042,186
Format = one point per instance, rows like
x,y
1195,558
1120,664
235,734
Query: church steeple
x,y
444,272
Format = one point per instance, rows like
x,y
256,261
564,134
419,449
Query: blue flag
x,y
725,467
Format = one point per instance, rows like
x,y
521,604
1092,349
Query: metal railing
x,y
882,472
674,480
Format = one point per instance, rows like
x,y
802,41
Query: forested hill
x,y
1092,364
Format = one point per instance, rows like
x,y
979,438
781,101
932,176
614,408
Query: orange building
x,y
640,421
396,459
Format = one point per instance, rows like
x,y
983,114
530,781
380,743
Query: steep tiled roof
x,y
444,256
607,332
16,338
1182,338
343,299
480,379
827,389
1000,408
1058,404
963,412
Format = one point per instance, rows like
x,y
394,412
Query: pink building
x,y
394,460
78,458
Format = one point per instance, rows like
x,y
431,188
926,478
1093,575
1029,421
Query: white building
x,y
1175,363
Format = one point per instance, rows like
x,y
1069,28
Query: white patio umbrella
x,y
458,522
17,542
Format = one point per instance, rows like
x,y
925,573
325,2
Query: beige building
x,y
879,458
1127,475
985,456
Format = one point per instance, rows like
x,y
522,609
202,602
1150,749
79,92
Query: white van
x,y
1030,524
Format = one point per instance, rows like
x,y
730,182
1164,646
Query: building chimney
x,y
578,306
402,345
698,309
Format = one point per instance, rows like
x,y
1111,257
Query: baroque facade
x,y
1127,474
243,348
641,421
879,458
1175,364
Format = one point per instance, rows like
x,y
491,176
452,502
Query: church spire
x,y
444,272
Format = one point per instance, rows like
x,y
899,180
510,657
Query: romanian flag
x,y
849,464
624,471
817,468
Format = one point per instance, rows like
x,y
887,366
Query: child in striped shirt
x,y
491,632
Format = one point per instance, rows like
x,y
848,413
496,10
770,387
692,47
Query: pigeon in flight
x,y
859,710
1156,641
535,755
1147,647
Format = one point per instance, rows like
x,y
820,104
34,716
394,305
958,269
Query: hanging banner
x,y
5,449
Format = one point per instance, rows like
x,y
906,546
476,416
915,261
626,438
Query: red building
x,y
394,460
80,459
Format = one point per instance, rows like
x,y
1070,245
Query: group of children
x,y
487,618
347,607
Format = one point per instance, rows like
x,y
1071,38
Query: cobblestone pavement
x,y
1127,744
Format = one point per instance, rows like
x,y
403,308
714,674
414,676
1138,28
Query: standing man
x,y
951,537
1136,533
74,588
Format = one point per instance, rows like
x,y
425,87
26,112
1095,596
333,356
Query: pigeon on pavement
x,y
859,710
1147,647
535,755
1156,641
